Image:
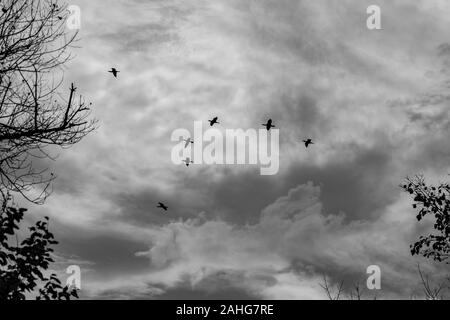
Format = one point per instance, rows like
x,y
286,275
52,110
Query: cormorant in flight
x,y
268,125
308,142
213,121
114,71
162,206
188,161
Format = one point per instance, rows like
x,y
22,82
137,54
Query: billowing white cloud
x,y
285,254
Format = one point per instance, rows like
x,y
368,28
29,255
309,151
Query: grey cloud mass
x,y
375,103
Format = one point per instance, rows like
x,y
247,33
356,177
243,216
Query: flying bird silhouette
x,y
188,141
162,206
213,121
188,161
268,125
114,71
308,142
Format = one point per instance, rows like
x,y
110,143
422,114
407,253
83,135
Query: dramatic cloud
x,y
283,255
375,102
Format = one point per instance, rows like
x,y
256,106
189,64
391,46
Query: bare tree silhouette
x,y
331,292
356,292
34,115
339,292
431,292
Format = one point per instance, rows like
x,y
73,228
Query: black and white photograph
x,y
215,150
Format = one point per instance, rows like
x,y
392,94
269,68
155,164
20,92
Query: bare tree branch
x,y
330,291
34,46
430,292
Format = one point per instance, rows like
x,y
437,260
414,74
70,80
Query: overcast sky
x,y
374,101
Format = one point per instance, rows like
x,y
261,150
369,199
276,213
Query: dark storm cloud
x,y
240,197
139,207
109,254
359,188
237,198
353,187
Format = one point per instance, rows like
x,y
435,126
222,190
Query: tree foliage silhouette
x,y
34,45
432,201
23,266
